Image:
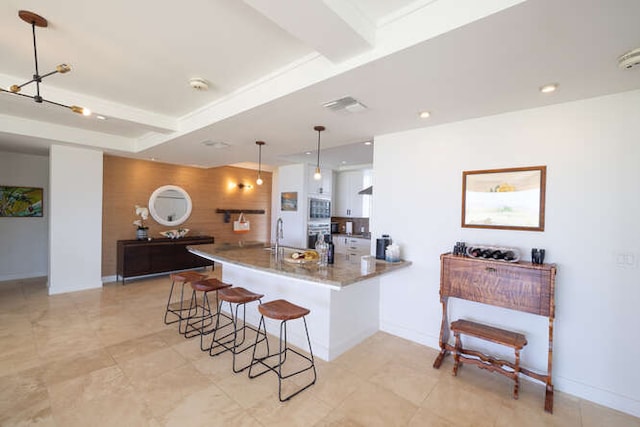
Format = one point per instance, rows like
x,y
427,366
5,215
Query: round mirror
x,y
170,205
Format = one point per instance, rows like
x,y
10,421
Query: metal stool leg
x,y
284,349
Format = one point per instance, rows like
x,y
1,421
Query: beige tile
x,y
102,398
75,366
426,418
151,365
301,410
136,347
334,384
249,392
594,415
372,405
105,357
214,408
24,400
462,405
166,391
406,381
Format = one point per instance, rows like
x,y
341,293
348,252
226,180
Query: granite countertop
x,y
254,255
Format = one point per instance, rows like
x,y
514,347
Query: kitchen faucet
x,y
279,235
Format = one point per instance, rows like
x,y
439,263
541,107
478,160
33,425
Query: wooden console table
x,y
141,257
518,286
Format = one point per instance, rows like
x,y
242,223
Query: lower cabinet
x,y
141,257
352,247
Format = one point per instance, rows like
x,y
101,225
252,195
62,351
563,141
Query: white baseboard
x,y
19,276
67,289
606,398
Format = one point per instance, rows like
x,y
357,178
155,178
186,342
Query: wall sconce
x,y
242,186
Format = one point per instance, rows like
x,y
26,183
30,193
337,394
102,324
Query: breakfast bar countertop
x,y
254,255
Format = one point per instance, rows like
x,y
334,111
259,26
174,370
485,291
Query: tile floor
x,y
105,358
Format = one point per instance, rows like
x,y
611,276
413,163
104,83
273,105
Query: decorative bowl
x,y
175,234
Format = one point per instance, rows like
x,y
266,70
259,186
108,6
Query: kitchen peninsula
x,y
344,303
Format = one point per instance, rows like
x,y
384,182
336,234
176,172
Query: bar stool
x,y
234,340
205,286
284,311
182,278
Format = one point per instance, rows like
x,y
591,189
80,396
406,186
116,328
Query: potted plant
x,y
142,231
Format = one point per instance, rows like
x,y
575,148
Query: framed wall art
x,y
509,199
289,201
20,201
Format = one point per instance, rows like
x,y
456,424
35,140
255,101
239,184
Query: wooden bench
x,y
489,333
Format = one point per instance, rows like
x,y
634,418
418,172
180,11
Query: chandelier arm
x,y
56,103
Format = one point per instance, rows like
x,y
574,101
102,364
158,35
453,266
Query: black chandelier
x,y
36,20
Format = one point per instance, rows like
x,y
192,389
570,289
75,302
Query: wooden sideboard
x,y
518,286
141,257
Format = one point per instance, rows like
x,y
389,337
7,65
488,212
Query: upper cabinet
x,y
321,187
348,203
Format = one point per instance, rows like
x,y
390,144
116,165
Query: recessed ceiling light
x,y
153,159
368,142
101,117
425,114
551,87
344,162
308,153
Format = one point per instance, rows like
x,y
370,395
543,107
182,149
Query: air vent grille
x,y
347,104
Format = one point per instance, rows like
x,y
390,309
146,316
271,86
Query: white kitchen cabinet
x,y
355,246
321,187
348,202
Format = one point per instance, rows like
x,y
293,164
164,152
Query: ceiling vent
x,y
345,105
630,59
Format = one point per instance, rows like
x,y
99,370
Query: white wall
x,y
292,178
24,241
75,251
592,153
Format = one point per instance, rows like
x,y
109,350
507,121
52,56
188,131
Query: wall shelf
x,y
227,212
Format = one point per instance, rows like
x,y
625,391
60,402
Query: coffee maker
x,y
381,246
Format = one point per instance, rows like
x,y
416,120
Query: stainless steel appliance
x,y
319,210
312,233
335,227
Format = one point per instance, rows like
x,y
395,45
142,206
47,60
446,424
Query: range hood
x,y
368,190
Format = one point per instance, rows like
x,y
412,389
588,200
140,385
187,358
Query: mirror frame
x,y
156,216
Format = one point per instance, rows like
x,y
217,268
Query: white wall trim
x,y
20,276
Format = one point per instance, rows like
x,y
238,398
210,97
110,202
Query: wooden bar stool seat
x,y
200,316
284,311
181,278
234,340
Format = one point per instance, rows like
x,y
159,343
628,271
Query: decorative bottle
x,y
330,248
321,248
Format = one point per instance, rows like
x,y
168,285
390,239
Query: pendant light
x,y
259,181
36,20
318,176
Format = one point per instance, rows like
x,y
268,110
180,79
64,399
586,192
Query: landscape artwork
x,y
504,198
289,201
20,201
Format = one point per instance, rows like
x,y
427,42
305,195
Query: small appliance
x,y
381,246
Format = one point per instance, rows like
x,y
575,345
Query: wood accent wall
x,y
130,182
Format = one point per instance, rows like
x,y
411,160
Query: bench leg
x,y
456,353
516,373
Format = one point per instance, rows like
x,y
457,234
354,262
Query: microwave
x,y
319,209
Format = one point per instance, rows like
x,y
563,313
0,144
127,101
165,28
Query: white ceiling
x,y
271,64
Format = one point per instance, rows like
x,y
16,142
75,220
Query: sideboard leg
x,y
440,358
548,399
